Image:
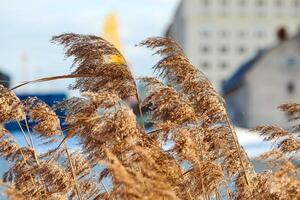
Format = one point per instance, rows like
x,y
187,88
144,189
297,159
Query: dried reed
x,y
192,151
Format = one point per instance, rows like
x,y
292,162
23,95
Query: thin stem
x,y
207,197
34,155
190,195
139,102
22,154
227,191
237,146
140,110
29,133
34,151
218,196
30,145
73,172
202,158
188,171
105,188
23,132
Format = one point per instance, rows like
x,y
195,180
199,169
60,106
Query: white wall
x,y
214,25
268,82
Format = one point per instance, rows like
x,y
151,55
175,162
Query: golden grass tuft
x,y
190,152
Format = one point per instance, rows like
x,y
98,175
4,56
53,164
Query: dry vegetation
x,y
191,152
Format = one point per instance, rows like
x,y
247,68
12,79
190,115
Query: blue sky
x,y
27,26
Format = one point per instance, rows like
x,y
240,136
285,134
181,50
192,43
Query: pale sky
x,y
27,26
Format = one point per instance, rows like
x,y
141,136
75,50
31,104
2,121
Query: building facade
x,y
219,35
264,82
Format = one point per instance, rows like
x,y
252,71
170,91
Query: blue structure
x,y
49,99
236,100
4,80
237,78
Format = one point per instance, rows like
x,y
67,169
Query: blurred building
x,y
219,35
264,82
4,80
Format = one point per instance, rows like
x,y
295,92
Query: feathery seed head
x,y
102,66
47,122
11,107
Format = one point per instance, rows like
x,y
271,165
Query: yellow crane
x,y
110,30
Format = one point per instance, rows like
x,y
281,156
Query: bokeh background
x,y
27,27
249,49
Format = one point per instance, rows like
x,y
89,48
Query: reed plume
x,y
283,181
23,160
286,142
164,105
178,72
7,144
102,65
176,69
135,185
47,122
190,152
10,106
175,119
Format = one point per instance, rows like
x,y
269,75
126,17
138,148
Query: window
x,y
242,33
224,33
223,65
260,3
205,49
205,31
205,3
260,31
223,49
291,62
205,65
260,34
241,49
290,87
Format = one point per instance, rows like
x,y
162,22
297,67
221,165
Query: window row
x,y
223,49
208,65
256,3
258,13
206,32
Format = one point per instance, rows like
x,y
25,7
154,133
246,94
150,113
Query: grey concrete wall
x,y
268,83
